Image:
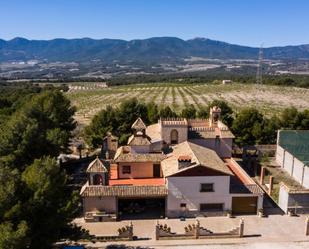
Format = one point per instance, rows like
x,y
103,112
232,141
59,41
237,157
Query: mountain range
x,y
156,49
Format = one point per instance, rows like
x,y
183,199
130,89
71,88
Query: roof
x,y
184,158
137,181
296,142
96,166
153,131
138,140
123,191
122,156
138,125
200,156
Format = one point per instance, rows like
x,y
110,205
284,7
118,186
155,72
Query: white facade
x,y
187,190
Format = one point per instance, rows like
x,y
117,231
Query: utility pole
x,y
259,72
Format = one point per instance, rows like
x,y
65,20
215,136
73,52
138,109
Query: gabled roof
x,y
124,154
138,125
96,166
138,140
200,156
123,191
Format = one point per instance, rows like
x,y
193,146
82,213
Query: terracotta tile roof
x,y
242,180
124,191
184,158
200,156
138,125
122,156
138,182
96,166
138,140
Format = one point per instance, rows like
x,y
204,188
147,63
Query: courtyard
x,y
274,229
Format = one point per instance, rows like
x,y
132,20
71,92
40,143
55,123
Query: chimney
x,y
184,161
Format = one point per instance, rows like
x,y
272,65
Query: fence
x,y
293,166
124,233
195,231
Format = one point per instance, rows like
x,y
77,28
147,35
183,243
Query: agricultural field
x,y
91,97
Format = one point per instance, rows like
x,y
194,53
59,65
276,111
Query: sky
x,y
244,22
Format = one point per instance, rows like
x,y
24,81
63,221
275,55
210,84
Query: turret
x,y
214,116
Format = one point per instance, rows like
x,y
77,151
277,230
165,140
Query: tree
x,y
35,204
203,113
48,207
128,112
103,122
290,118
152,112
13,238
189,112
166,112
42,127
247,126
116,120
226,111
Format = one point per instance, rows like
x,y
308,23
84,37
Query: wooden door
x,y
244,205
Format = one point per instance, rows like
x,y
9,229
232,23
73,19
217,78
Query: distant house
x,y
175,168
226,82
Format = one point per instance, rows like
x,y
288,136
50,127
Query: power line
x,y
259,72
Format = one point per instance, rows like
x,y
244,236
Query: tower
x,y
214,115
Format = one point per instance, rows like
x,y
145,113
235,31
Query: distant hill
x,y
157,49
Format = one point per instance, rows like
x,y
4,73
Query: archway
x,y
174,137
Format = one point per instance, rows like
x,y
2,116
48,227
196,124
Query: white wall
x,y
293,166
306,177
223,149
298,170
283,199
187,190
279,155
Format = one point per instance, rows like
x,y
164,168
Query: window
x,y
207,187
97,179
204,207
183,205
126,169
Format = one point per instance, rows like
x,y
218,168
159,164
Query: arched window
x,y
174,137
97,179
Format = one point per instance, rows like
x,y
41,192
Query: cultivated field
x,y
90,97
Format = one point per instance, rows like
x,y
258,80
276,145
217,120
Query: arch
x,y
174,136
97,179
